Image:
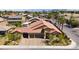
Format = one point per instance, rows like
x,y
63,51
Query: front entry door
x,y
25,35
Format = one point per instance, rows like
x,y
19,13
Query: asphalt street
x,y
71,35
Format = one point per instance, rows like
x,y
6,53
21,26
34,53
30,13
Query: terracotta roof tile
x,y
36,27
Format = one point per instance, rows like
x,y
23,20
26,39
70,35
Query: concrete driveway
x,y
33,42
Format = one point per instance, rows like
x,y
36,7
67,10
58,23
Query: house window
x,y
2,32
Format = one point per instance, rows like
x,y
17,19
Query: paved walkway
x,y
33,42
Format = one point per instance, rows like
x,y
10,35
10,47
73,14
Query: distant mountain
x,y
40,10
33,10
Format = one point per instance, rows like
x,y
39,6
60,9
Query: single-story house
x,y
25,24
28,16
43,15
4,29
34,19
1,19
38,29
14,18
5,16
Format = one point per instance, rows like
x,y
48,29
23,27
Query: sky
x,y
38,10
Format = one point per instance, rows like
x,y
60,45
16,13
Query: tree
x,y
35,14
72,22
55,15
61,20
71,18
49,16
25,12
18,24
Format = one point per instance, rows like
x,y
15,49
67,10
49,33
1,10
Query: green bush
x,y
73,23
60,39
7,42
14,36
17,24
51,36
48,17
10,36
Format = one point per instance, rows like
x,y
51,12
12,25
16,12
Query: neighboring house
x,y
14,18
1,19
29,21
5,16
25,24
28,16
4,29
43,15
34,19
25,17
38,29
24,14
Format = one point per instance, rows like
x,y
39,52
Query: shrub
x,y
48,17
17,24
73,23
13,39
7,42
63,38
14,36
60,39
10,36
68,21
51,36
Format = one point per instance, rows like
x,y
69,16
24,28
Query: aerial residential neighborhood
x,y
39,28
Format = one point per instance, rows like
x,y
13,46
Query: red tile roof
x,y
43,23
37,27
27,30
